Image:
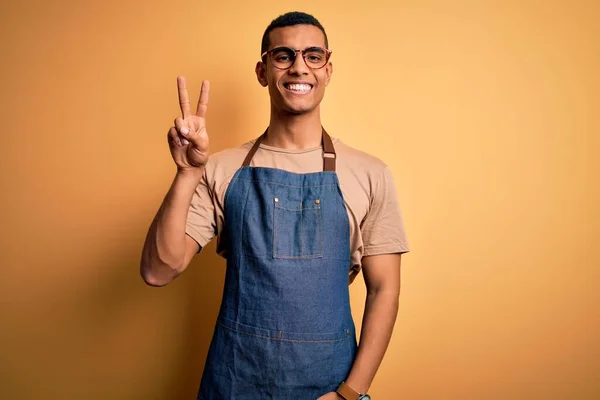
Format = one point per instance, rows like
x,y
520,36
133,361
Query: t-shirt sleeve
x,y
201,220
383,228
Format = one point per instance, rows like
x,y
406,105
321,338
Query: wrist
x,y
346,392
192,175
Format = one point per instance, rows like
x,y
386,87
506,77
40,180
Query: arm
x,y
382,278
384,242
167,249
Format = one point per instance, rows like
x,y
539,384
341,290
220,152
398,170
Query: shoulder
x,y
349,154
223,164
358,163
230,156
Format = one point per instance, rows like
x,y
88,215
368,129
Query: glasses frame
x,y
296,51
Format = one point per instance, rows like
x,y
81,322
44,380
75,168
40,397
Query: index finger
x,y
184,99
203,101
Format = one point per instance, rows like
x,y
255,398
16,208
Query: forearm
x,y
381,309
164,249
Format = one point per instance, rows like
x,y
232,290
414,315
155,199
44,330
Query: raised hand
x,y
188,139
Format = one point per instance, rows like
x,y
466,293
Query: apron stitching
x,y
281,339
320,225
275,253
240,254
302,225
285,184
296,257
297,209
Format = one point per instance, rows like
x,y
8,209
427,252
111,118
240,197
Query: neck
x,y
294,131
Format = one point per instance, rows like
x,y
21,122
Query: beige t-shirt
x,y
376,225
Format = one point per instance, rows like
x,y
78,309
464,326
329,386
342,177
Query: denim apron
x,y
284,330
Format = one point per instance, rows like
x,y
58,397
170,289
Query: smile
x,y
299,88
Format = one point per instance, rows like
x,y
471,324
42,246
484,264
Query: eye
x,y
314,57
282,55
282,58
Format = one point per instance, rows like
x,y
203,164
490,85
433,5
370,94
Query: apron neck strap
x,y
328,151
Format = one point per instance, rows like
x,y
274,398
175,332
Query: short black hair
x,y
290,19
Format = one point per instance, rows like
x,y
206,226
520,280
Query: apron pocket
x,y
256,363
297,229
313,368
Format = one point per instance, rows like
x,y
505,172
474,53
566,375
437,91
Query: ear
x,y
328,72
261,73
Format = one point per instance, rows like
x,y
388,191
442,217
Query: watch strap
x,y
347,392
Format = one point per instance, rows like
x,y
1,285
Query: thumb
x,y
198,139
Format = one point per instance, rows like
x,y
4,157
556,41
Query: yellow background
x,y
486,111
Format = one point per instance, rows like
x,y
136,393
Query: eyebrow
x,y
306,48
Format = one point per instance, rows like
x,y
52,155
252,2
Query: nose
x,y
299,67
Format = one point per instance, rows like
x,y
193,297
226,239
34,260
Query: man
x,y
297,215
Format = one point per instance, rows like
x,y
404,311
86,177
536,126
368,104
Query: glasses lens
x,y
315,57
282,57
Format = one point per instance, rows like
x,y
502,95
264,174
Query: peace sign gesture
x,y
188,140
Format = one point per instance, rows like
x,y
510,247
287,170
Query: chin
x,y
299,107
299,110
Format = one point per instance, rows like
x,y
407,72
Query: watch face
x,y
364,397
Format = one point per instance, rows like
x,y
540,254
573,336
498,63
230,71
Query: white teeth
x,y
301,87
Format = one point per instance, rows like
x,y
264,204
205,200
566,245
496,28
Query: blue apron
x,y
284,330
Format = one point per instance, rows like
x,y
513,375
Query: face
x,y
298,89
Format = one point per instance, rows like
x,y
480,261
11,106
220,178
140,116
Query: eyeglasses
x,y
284,57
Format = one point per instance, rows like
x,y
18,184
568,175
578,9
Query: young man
x,y
297,215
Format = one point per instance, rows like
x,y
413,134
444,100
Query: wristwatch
x,y
350,394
